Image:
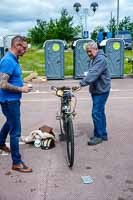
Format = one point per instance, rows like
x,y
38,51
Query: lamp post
x,y
84,13
117,16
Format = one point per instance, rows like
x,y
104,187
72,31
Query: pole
x,y
85,13
81,25
117,16
111,22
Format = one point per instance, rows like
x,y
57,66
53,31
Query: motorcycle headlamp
x,y
59,93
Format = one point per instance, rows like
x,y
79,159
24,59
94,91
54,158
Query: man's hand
x,y
76,88
4,84
25,89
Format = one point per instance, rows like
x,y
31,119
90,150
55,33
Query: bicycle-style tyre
x,y
70,141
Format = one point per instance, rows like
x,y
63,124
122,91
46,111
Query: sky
x,y
17,17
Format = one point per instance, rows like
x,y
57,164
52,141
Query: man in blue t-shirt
x,y
11,89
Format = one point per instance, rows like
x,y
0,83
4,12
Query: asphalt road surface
x,y
110,164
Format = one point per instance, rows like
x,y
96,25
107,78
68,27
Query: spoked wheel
x,y
70,142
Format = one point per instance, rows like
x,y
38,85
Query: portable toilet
x,y
54,59
114,50
81,59
1,47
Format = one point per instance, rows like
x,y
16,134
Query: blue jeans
x,y
11,110
98,115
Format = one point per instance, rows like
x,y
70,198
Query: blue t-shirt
x,y
9,65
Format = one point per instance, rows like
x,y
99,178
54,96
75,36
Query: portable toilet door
x,y
54,59
114,50
81,59
1,47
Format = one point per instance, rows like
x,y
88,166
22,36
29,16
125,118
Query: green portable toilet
x,y
54,59
114,50
81,59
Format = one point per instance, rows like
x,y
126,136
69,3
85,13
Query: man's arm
x,y
4,84
94,72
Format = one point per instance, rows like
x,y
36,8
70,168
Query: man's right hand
x,y
25,89
76,88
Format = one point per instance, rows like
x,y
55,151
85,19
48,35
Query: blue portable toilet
x,y
99,37
114,50
81,59
1,47
54,59
103,35
1,52
109,35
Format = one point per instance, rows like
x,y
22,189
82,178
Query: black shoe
x,y
92,137
95,141
103,138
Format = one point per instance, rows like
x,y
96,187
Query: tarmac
x,y
109,164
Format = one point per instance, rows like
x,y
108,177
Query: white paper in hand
x,y
85,73
87,179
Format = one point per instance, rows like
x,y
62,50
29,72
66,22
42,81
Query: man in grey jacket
x,y
98,78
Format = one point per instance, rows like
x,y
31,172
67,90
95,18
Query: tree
x,y
125,24
112,27
38,33
51,30
65,29
96,31
56,29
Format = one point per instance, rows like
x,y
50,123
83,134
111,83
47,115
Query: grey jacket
x,y
98,76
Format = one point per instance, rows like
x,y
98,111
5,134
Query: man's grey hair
x,y
92,45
